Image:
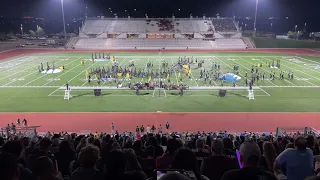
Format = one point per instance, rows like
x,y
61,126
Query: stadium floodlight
x,y
255,18
63,20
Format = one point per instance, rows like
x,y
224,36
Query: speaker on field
x,y
97,92
222,93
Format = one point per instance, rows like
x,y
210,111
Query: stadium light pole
x,y
64,23
255,19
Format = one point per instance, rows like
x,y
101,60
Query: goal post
x,y
158,91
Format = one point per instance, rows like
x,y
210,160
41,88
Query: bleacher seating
x,y
97,26
224,25
193,33
230,43
84,43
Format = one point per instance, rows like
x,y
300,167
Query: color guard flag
x,y
87,74
119,74
150,79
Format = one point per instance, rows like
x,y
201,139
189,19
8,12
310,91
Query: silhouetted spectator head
x,y
55,142
90,140
200,143
45,144
227,143
300,143
65,147
1,141
88,156
43,167
250,154
13,147
173,145
115,162
217,147
164,141
132,160
137,145
25,141
270,154
136,175
116,146
289,145
153,141
310,141
185,159
9,167
97,143
150,150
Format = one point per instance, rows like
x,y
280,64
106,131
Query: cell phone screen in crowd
x,y
238,156
164,172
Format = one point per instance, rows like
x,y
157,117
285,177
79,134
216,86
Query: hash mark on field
x,y
310,69
63,73
301,71
270,72
17,72
296,76
33,72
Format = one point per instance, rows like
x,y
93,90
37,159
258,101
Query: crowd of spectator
x,y
224,25
196,156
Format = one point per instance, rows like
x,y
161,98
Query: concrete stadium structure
x,y
170,33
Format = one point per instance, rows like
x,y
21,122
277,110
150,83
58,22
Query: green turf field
x,y
24,89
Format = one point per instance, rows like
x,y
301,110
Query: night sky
x,y
298,12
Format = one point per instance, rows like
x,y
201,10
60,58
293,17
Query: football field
x,y
24,89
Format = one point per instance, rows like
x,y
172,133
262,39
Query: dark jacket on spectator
x,y
86,174
164,161
248,173
214,166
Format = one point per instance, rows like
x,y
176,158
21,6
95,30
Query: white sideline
x,y
300,72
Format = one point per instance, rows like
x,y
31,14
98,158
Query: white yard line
x,y
175,72
300,71
81,73
13,59
270,72
297,76
145,68
265,92
63,73
211,67
51,94
23,69
33,72
303,66
106,65
228,65
308,60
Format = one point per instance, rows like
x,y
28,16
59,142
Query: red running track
x,y
235,122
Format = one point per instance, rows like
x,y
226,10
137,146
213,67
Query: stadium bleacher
x,y
195,33
224,25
